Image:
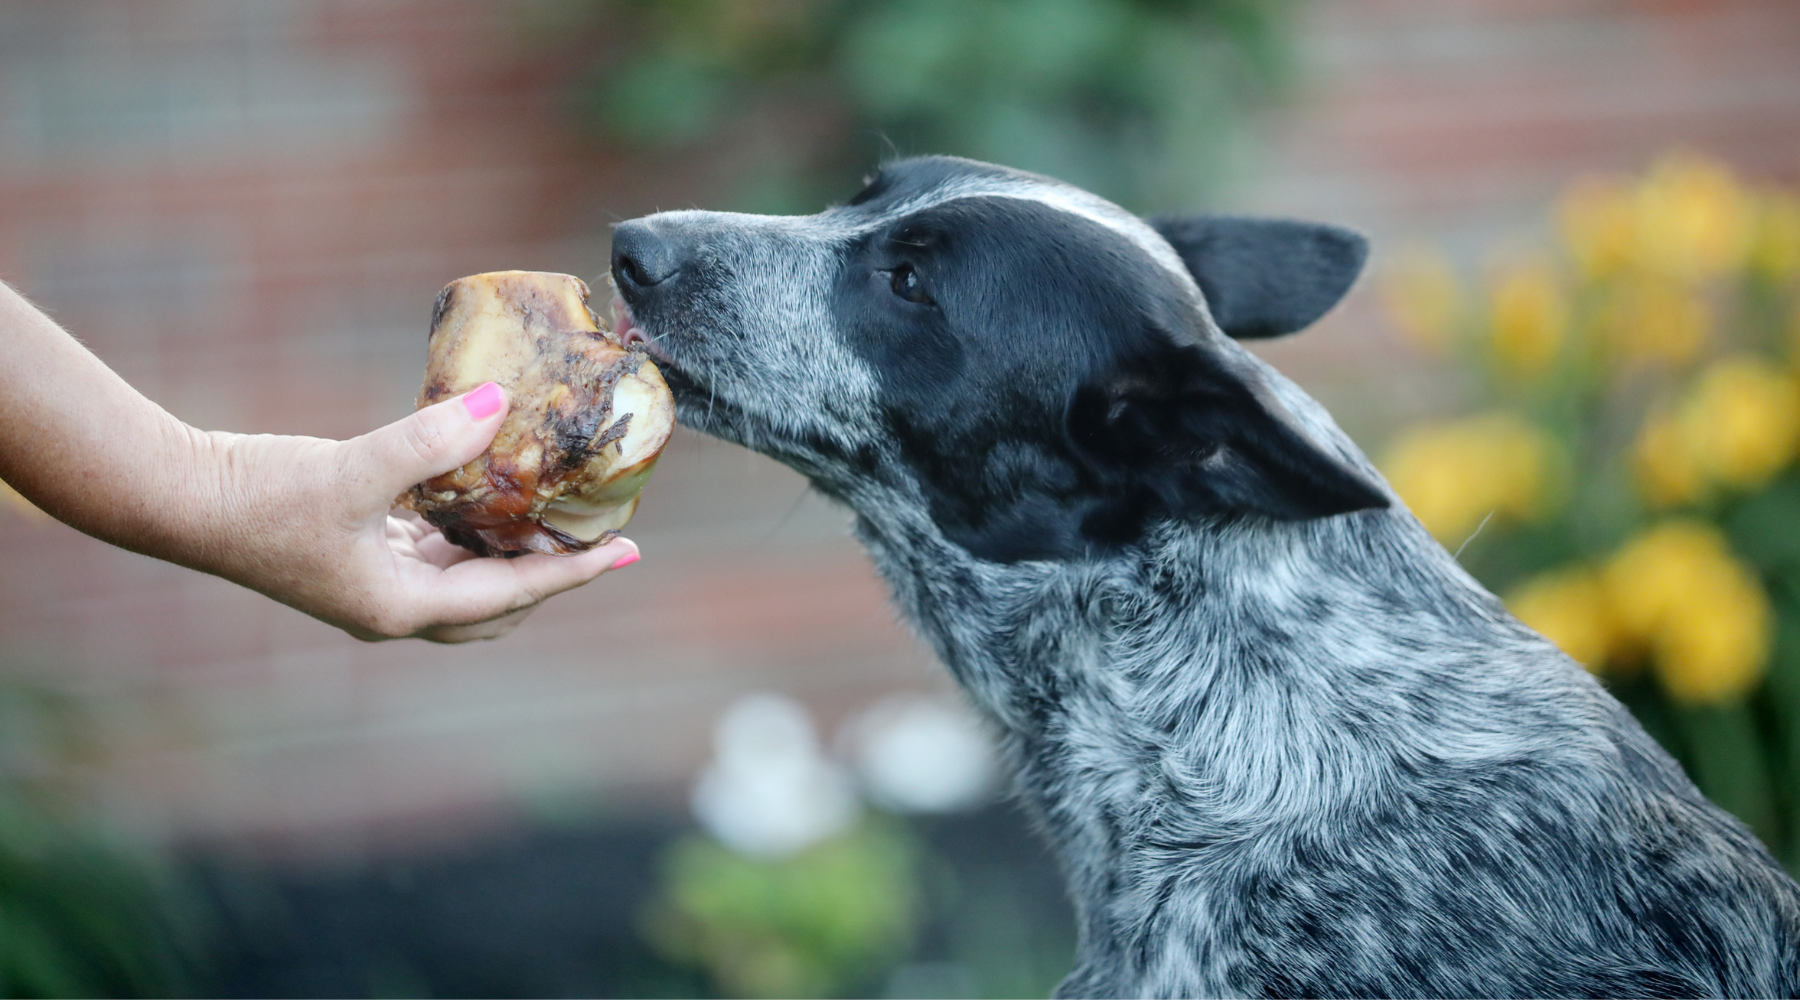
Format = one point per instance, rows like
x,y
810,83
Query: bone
x,y
588,417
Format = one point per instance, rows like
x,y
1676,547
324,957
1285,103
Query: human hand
x,y
310,522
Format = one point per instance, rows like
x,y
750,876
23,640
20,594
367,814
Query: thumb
x,y
434,440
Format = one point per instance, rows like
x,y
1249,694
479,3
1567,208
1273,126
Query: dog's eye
x,y
906,284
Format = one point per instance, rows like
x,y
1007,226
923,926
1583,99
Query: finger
x,y
431,441
493,629
481,589
406,530
440,551
418,541
409,522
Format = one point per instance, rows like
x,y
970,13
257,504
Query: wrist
x,y
259,513
195,493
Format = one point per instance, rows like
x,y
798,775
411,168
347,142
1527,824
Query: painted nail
x,y
625,560
485,401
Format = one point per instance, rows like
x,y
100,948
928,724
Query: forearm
x,y
303,520
88,449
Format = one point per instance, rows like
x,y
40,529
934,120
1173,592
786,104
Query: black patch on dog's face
x,y
1026,361
1048,384
1025,301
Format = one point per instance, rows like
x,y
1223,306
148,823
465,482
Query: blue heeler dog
x,y
1280,742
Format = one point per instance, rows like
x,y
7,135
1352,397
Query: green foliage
x,y
815,924
1134,99
1633,486
996,930
79,917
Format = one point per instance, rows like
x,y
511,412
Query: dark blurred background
x,y
247,208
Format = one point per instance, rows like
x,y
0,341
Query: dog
x,y
1279,741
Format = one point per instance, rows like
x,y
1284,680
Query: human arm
x,y
303,520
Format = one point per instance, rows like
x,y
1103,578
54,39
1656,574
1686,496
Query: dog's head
x,y
1044,372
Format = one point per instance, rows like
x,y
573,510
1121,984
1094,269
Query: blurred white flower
x,y
918,754
769,791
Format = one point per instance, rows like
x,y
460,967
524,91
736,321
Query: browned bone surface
x,y
588,417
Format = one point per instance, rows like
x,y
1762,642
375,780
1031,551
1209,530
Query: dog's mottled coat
x,y
1281,743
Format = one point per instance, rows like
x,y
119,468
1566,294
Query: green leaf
x,y
664,101
1727,760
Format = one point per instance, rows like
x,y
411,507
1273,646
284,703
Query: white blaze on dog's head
x,y
1031,366
1063,197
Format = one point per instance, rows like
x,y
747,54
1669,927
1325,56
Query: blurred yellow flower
x,y
1777,250
1679,589
1743,420
1569,607
1652,319
1668,474
1530,317
1422,294
1738,425
1596,218
1654,572
1693,219
1716,649
1455,475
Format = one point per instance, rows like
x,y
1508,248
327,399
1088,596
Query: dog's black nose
x,y
642,257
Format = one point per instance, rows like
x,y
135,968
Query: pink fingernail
x,y
625,560
485,401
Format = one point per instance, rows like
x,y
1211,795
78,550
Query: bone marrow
x,y
588,419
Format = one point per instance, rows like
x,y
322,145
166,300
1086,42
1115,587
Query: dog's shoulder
x,y
1590,869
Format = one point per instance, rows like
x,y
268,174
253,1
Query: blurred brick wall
x,y
1460,120
247,208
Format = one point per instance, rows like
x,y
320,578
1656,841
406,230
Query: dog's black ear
x,y
1186,434
1265,277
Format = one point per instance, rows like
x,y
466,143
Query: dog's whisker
x,y
793,508
1465,543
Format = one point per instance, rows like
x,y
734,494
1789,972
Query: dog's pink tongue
x,y
624,327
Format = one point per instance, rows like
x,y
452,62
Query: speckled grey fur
x,y
1275,758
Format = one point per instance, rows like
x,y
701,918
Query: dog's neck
x,y
1214,681
1149,632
